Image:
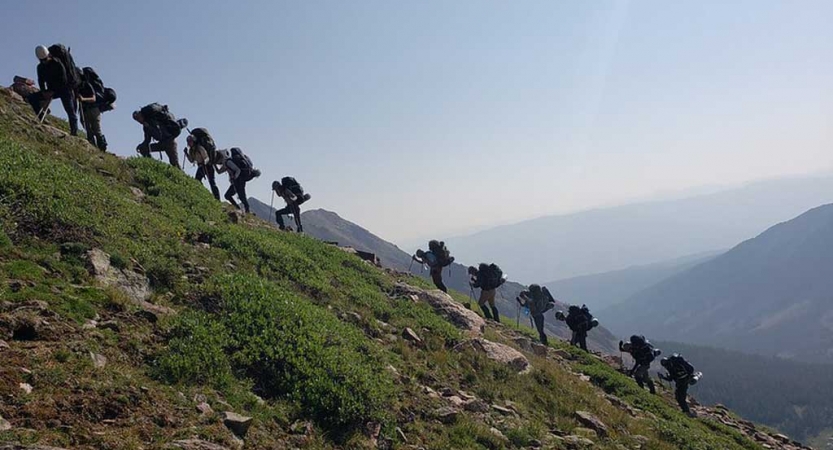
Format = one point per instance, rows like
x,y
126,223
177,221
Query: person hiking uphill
x,y
580,321
539,300
437,257
201,151
240,171
487,277
159,124
92,106
643,353
55,82
293,194
681,372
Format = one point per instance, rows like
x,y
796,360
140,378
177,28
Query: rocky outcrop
x,y
445,306
237,423
592,422
497,352
763,436
134,285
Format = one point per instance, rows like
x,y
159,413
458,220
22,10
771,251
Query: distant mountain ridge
x,y
771,295
607,239
602,290
329,226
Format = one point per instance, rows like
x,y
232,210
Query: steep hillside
x,y
136,312
771,295
601,290
330,227
602,240
788,395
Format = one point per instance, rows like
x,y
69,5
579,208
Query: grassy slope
x,y
259,312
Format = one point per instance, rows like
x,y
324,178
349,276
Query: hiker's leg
x,y
36,101
490,297
574,338
296,213
70,107
92,124
437,278
639,375
680,393
240,187
212,180
539,325
279,216
582,340
230,195
482,301
650,382
200,173
170,150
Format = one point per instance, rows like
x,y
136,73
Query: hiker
x,y
437,257
240,171
93,104
54,81
539,300
580,321
487,277
158,123
27,89
202,151
681,372
293,194
643,353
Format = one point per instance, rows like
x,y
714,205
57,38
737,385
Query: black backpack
x,y
439,250
642,350
205,140
105,97
490,276
292,185
62,54
159,117
241,160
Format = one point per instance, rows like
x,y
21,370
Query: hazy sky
x,y
414,118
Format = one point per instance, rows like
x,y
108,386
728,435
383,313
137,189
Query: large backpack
x,y
205,140
241,160
159,117
642,350
105,97
439,250
62,53
292,185
490,276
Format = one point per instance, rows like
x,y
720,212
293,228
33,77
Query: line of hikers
x,y
538,300
83,93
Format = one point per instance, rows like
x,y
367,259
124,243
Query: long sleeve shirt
x,y
52,76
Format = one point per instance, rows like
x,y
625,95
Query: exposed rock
x,y
205,409
26,387
523,342
196,444
455,401
137,193
585,432
560,354
236,216
3,345
111,325
577,442
445,306
410,335
592,422
540,350
497,352
372,430
478,406
4,424
497,433
237,423
99,361
132,284
447,414
503,410
301,427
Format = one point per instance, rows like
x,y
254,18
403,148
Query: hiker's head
x,y
276,186
665,362
190,140
42,52
472,270
138,117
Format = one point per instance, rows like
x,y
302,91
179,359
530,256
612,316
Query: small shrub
x,y
118,261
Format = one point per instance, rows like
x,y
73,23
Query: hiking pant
x,y
681,394
539,325
207,171
92,123
488,296
579,338
291,208
238,186
168,147
437,278
36,101
70,104
642,377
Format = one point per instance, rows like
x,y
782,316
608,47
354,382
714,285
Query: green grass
x,y
308,327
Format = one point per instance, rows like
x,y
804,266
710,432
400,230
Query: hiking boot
x,y
495,314
486,312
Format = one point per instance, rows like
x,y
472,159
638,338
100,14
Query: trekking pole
x,y
518,317
411,265
44,111
272,202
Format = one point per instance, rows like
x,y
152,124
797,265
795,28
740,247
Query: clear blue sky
x,y
413,118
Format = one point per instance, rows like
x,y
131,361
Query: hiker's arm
x,y
148,137
233,170
62,72
41,82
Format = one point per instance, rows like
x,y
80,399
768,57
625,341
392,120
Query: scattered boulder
x,y
137,193
497,352
5,425
410,335
498,434
478,406
237,423
445,306
447,415
196,444
132,284
577,442
26,387
99,361
204,409
592,422
236,216
503,410
540,349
